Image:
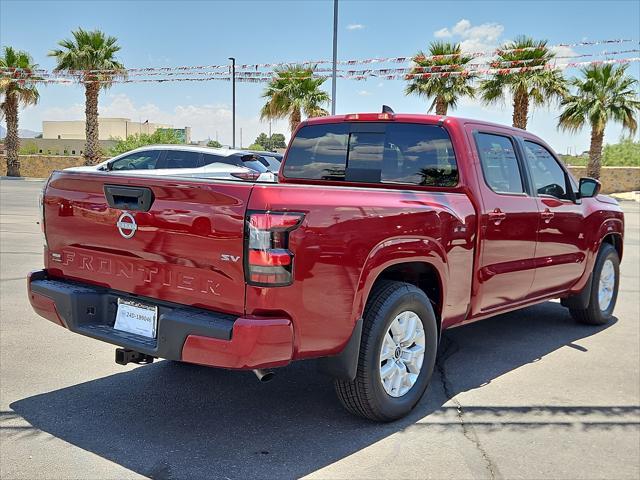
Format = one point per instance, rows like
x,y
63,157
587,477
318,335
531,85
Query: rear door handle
x,y
547,215
497,216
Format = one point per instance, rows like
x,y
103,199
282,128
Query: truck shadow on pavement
x,y
171,420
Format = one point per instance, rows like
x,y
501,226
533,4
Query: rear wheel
x,y
604,289
397,353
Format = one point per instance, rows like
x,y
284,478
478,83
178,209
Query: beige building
x,y
109,129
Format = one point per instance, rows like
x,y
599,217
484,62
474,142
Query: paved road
x,y
524,395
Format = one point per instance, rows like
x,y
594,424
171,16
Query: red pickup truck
x,y
383,230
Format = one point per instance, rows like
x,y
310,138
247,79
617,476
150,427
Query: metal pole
x,y
233,100
335,57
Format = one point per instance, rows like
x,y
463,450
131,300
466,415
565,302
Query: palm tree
x,y
538,86
445,90
90,56
16,91
604,93
290,92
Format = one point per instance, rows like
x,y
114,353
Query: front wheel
x,y
397,353
604,289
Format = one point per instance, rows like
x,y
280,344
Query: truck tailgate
x,y
187,248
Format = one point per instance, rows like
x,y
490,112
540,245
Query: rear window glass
x,y
389,153
319,152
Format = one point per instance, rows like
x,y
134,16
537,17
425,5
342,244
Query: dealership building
x,y
108,128
68,137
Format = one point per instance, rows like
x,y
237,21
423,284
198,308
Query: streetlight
x,y
335,57
233,100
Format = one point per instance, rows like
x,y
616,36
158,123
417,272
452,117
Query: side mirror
x,y
589,187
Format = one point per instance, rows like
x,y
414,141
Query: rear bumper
x,y
183,333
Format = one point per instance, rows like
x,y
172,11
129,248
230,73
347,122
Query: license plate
x,y
137,318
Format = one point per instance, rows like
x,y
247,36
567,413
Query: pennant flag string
x,y
226,68
386,74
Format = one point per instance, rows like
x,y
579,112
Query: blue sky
x,y
172,33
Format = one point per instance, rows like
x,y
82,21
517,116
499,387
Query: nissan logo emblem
x,y
126,225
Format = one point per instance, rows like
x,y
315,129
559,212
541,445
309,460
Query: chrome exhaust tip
x,y
264,376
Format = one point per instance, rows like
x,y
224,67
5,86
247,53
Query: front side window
x,y
390,153
181,159
137,161
547,175
499,163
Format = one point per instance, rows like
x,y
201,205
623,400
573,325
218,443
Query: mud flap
x,y
580,300
344,366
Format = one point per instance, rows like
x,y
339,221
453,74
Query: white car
x,y
191,161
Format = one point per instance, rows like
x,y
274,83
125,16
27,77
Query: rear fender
x,y
397,251
386,254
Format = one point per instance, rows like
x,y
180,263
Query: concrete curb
x,y
24,179
629,196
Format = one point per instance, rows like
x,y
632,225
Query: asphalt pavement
x,y
530,394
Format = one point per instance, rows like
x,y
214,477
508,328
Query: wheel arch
x,y
423,275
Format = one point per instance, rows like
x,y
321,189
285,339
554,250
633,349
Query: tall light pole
x,y
233,100
335,57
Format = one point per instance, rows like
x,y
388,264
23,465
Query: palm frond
x,y
603,93
447,89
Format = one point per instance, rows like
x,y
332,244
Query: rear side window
x,y
137,161
499,163
548,176
388,153
180,159
208,158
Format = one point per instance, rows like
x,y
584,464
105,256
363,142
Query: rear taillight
x,y
248,176
269,263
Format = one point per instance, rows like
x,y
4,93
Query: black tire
x,y
365,396
593,315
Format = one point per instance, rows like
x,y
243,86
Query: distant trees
x,y
164,136
91,55
293,91
444,90
214,144
538,86
13,94
604,93
276,140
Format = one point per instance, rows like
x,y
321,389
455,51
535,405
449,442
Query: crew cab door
x,y
561,248
508,222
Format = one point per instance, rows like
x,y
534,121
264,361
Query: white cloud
x,y
364,93
442,33
355,26
561,51
473,38
205,120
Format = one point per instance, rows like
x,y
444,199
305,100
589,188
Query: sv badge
x,y
229,258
